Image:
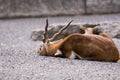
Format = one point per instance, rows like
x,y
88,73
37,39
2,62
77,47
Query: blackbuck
x,y
85,46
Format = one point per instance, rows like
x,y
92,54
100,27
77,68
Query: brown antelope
x,y
86,46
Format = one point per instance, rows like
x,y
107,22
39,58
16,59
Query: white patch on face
x,y
89,31
58,53
73,55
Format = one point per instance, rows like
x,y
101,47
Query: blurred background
x,y
42,8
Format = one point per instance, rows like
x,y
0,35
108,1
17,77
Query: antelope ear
x,y
82,27
97,26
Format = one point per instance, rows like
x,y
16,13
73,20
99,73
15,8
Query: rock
x,y
117,42
112,29
73,28
36,35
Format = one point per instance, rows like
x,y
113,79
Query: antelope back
x,y
93,47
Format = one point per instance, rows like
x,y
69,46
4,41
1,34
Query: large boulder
x,y
117,42
37,35
111,28
54,28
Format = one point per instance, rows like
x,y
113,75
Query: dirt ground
x,y
18,60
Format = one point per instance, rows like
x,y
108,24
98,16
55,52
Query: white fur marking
x,y
79,56
58,53
73,55
89,31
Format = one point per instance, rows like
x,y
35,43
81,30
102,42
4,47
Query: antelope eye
x,y
82,31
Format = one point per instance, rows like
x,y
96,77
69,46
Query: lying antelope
x,y
86,46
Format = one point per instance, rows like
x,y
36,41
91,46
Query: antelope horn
x,y
60,31
45,32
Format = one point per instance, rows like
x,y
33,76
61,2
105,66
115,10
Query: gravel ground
x,y
18,60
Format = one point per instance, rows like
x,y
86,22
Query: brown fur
x,y
93,47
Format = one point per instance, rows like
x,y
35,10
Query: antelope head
x,y
91,29
49,46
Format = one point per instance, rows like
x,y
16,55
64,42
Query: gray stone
x,y
117,43
112,29
73,28
37,35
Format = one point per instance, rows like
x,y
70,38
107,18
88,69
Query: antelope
x,y
85,46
